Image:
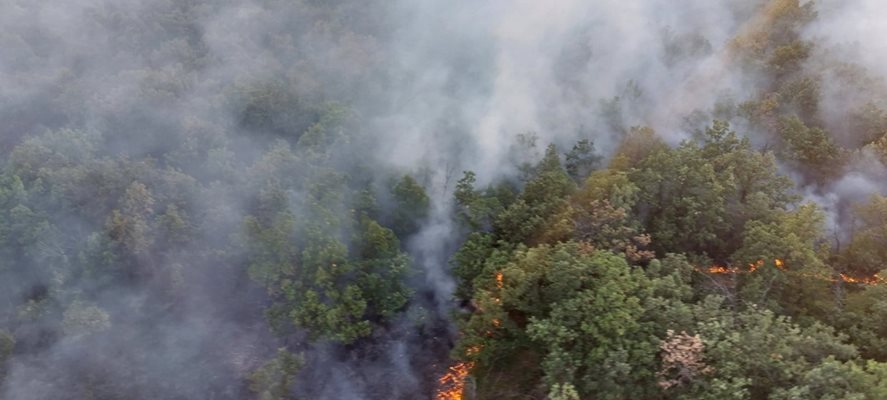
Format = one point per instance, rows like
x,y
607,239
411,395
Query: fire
x,y
500,283
780,264
869,280
452,383
752,267
719,269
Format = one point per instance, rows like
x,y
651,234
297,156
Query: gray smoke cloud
x,y
439,87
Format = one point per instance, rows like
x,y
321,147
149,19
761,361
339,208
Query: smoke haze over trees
x,y
346,199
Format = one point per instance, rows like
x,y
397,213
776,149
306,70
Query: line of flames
x,y
451,385
780,264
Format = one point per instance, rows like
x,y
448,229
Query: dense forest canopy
x,y
563,200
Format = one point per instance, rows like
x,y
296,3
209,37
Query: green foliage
x,y
381,266
788,57
329,129
594,322
635,146
600,210
684,200
410,208
868,124
470,260
802,94
543,197
7,345
810,148
272,249
581,160
760,352
591,317
863,320
594,339
81,319
478,209
272,381
335,287
801,284
866,253
830,380
273,107
696,198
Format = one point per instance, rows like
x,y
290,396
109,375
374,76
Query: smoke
x,y
435,87
564,70
851,64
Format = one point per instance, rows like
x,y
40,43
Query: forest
x,y
397,199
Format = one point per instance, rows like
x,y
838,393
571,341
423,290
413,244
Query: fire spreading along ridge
x,y
780,264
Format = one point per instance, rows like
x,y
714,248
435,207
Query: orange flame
x,y
452,383
866,280
719,269
499,280
780,264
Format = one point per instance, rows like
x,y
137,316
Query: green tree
x,y
7,345
811,149
410,206
335,286
477,209
271,247
544,196
581,160
273,380
82,319
635,146
863,320
789,274
759,353
381,268
589,317
682,199
696,198
866,253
